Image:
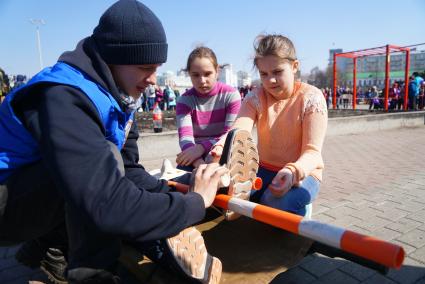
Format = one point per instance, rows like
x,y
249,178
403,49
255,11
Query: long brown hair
x,y
277,45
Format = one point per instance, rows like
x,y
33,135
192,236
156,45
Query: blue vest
x,y
19,148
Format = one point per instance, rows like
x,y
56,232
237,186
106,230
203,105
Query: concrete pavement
x,y
374,184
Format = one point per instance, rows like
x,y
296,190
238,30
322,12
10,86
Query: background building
x,y
341,62
244,79
227,76
180,82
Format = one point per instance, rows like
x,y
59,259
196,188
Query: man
x,y
413,93
373,98
69,158
151,96
419,80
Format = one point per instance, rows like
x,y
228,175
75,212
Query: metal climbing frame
x,y
387,49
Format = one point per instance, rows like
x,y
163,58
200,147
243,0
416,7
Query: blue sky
x,y
227,26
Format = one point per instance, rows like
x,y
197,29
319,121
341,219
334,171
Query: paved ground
x,y
373,184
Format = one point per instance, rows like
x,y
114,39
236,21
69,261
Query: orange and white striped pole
x,y
379,251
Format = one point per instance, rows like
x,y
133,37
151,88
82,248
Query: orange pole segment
x,y
222,201
354,82
374,249
396,47
334,83
277,218
180,187
387,78
406,80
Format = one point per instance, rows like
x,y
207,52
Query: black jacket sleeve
x,y
72,144
133,170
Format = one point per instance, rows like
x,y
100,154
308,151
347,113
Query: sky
x,y
229,27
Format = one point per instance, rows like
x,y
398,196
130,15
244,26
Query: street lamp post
x,y
38,23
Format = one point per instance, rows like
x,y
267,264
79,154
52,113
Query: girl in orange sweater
x,y
291,120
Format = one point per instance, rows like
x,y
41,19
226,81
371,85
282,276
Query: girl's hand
x,y
215,154
188,156
198,162
281,183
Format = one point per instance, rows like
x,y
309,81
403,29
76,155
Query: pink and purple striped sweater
x,y
203,119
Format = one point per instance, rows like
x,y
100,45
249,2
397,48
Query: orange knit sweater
x,y
290,131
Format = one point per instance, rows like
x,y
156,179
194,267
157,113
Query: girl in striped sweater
x,y
205,112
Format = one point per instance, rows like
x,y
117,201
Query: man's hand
x,y
205,181
281,183
188,156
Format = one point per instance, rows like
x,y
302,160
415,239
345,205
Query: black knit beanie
x,y
129,33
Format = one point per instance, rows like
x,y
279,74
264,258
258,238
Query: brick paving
x,y
373,184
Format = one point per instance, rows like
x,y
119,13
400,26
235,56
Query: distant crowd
x,y
8,83
154,95
375,97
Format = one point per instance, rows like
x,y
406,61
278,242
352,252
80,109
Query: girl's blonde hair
x,y
202,52
277,45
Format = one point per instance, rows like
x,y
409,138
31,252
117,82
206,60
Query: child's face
x,y
133,79
203,74
277,75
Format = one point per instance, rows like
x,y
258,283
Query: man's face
x,y
133,79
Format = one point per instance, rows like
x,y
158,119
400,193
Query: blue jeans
x,y
189,168
294,201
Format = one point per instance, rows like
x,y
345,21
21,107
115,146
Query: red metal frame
x,y
369,52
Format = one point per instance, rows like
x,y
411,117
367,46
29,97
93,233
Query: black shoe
x,y
50,260
54,265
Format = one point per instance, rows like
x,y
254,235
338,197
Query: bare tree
x,y
317,78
